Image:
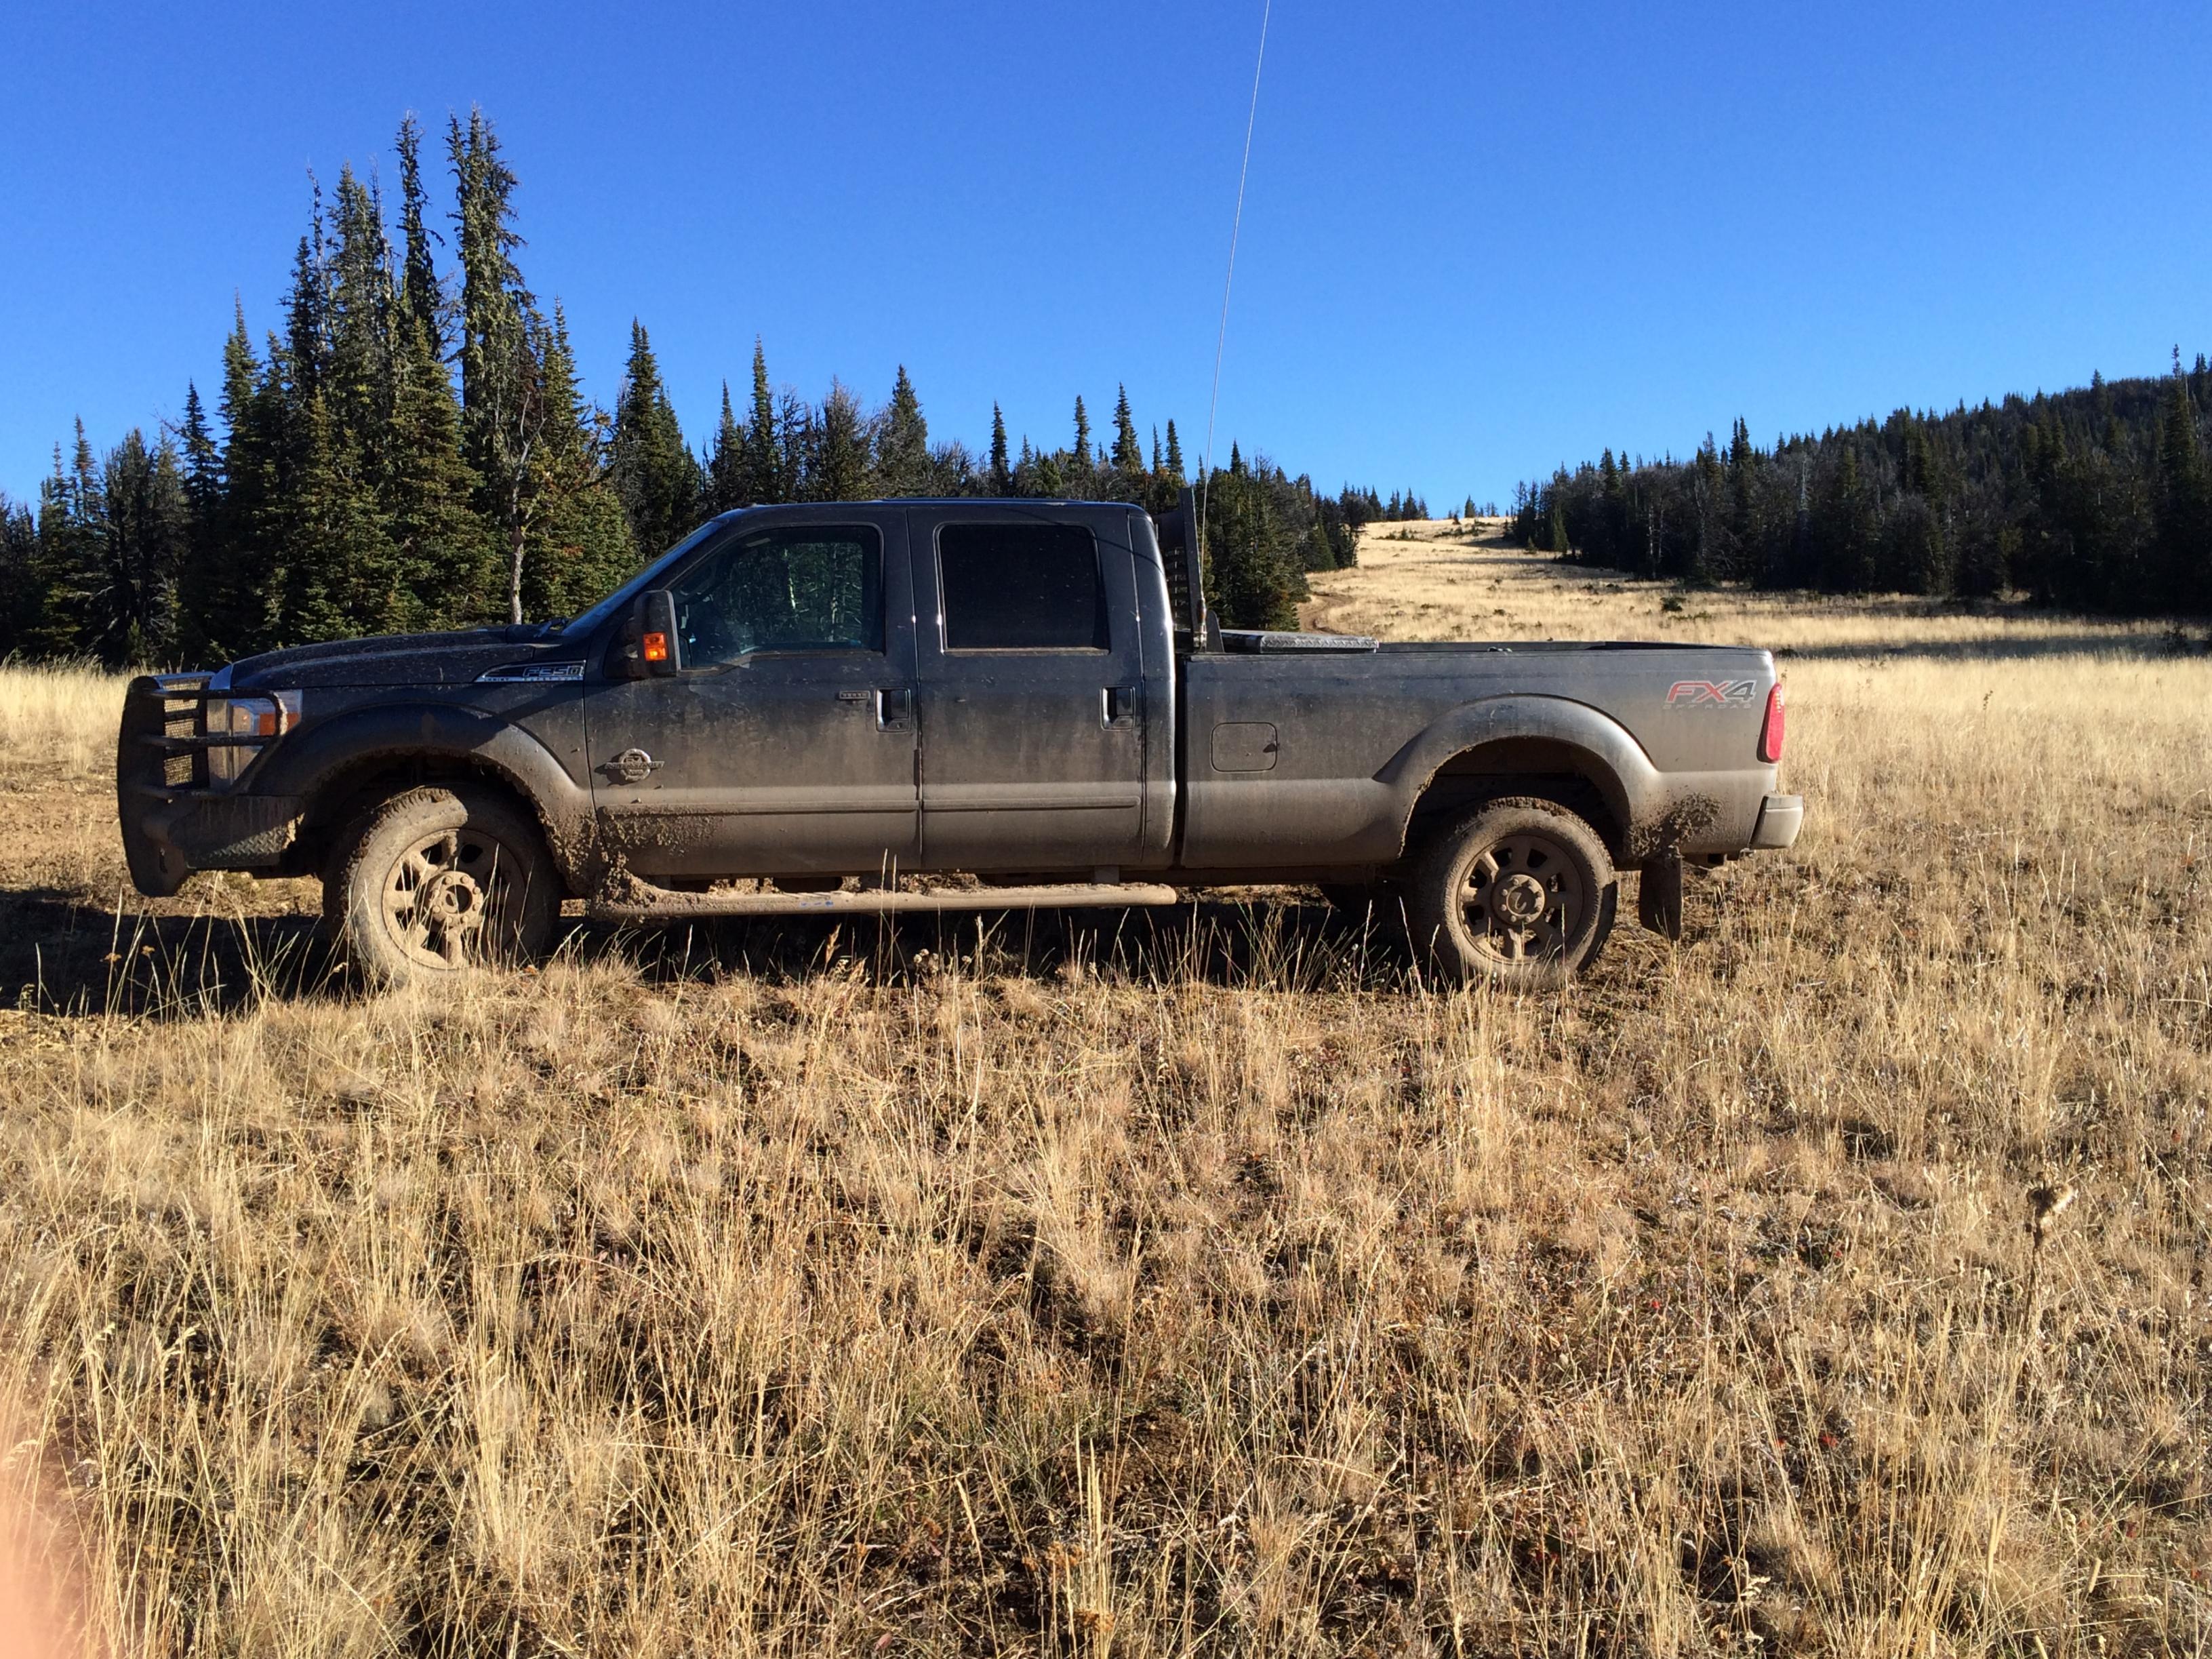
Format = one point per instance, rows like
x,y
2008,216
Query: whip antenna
x,y
1236,224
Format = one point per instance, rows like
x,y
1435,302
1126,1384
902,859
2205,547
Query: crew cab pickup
x,y
838,707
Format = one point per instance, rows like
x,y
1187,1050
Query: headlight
x,y
256,721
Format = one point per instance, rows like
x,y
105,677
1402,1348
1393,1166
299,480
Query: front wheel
x,y
1521,893
437,880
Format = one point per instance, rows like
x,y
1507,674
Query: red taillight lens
x,y
1770,734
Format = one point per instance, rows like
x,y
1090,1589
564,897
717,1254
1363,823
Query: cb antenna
x,y
1236,224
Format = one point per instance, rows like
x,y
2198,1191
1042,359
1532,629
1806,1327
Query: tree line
x,y
2094,499
412,449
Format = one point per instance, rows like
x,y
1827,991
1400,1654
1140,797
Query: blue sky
x,y
1479,239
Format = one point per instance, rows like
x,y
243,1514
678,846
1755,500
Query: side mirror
x,y
653,624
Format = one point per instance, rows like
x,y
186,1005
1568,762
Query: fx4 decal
x,y
1701,694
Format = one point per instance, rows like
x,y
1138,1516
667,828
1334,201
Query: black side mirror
x,y
653,625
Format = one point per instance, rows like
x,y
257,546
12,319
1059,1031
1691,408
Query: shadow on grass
x,y
64,953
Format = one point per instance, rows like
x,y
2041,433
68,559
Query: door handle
x,y
894,708
1121,704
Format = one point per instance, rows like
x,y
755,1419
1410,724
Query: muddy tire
x,y
1521,893
438,881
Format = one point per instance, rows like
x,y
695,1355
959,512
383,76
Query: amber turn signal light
x,y
656,647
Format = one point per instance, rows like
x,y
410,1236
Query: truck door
x,y
1031,672
784,745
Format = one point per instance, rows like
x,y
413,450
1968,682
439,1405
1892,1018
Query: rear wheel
x,y
438,880
1521,893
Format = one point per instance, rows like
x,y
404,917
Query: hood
x,y
452,658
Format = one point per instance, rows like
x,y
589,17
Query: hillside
x,y
2098,499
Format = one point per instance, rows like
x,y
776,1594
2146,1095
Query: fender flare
x,y
304,765
1612,760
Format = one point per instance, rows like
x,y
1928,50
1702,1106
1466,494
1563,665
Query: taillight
x,y
1770,733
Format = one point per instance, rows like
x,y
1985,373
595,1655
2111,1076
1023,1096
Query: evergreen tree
x,y
902,463
1129,453
767,474
726,462
1175,457
837,448
579,549
419,292
1249,581
444,556
2185,501
503,405
20,592
1001,477
207,531
1079,457
144,520
654,472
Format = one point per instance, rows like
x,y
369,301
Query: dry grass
x,y
1190,1287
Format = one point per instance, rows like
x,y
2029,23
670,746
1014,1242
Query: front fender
x,y
1602,749
307,762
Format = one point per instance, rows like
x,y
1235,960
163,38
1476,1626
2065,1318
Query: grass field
x,y
1830,1283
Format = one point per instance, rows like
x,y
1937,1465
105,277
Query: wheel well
x,y
1548,770
354,789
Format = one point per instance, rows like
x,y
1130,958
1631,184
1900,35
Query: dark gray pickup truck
x,y
807,709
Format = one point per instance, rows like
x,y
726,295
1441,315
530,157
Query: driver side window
x,y
807,587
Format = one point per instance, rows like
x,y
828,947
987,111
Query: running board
x,y
639,902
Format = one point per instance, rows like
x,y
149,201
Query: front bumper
x,y
1780,818
172,822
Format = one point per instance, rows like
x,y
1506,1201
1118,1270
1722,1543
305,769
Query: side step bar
x,y
639,902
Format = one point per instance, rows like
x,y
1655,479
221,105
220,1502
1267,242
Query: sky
x,y
1479,241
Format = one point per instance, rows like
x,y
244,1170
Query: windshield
x,y
636,585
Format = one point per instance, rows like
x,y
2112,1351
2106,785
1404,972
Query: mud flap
x,y
1659,895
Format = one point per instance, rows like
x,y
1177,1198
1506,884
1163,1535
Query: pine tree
x,y
207,531
579,549
20,592
1128,453
767,472
837,448
1175,457
1248,579
654,471
1079,457
444,556
726,462
143,520
502,395
1001,474
2184,502
419,294
903,465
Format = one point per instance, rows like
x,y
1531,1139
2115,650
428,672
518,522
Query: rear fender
x,y
1550,735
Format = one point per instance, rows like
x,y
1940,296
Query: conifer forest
x,y
411,449
2094,500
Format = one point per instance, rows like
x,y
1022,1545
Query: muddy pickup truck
x,y
909,705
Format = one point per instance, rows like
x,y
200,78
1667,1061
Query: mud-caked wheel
x,y
1521,892
438,880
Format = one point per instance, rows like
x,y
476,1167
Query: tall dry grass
x,y
1830,1283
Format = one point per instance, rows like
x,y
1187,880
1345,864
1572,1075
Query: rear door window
x,y
1021,588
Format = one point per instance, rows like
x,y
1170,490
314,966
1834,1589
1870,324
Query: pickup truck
x,y
842,706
